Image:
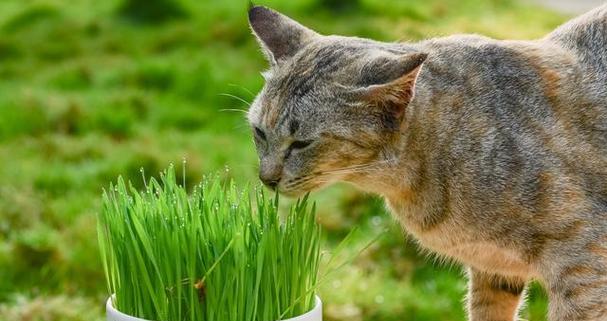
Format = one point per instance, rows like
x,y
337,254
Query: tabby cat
x,y
492,153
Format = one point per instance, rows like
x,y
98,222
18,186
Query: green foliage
x,y
57,308
31,16
151,11
172,256
338,5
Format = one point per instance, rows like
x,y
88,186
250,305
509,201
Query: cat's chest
x,y
436,233
465,244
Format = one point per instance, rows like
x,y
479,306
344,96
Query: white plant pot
x,y
114,315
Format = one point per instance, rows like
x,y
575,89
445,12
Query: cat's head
x,y
331,108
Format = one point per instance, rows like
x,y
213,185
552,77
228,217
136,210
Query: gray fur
x,y
493,153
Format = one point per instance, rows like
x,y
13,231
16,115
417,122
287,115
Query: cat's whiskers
x,y
243,88
329,175
318,178
356,168
299,180
236,97
234,110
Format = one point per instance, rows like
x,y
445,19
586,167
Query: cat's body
x,y
495,155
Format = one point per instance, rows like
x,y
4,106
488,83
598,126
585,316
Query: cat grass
x,y
218,253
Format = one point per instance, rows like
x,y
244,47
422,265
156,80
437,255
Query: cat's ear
x,y
390,82
280,37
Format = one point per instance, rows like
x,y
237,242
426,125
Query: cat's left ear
x,y
391,83
280,37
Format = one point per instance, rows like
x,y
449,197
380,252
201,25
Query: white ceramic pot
x,y
115,315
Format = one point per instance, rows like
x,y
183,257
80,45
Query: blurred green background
x,y
90,90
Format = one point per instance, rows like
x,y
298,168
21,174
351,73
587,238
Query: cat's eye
x,y
297,145
260,134
300,144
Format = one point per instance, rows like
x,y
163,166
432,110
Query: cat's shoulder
x,y
469,49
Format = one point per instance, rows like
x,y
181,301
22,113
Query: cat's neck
x,y
391,179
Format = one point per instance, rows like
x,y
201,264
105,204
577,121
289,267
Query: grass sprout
x,y
218,253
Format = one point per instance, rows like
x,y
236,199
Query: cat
x,y
491,153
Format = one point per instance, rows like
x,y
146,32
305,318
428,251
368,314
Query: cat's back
x,y
586,36
537,87
504,113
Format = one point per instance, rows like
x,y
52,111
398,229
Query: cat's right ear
x,y
389,83
279,36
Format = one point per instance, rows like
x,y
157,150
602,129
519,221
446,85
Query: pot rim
x,y
316,312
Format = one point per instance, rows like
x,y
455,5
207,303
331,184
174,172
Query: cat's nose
x,y
270,175
270,182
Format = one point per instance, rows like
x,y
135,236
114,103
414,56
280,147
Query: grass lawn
x,y
90,90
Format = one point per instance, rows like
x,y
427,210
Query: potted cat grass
x,y
217,254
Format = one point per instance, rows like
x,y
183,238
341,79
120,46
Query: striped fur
x,y
491,153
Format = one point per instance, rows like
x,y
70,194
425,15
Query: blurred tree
x,y
151,11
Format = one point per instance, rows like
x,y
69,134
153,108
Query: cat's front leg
x,y
493,297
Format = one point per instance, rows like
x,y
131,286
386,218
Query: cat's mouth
x,y
293,193
299,186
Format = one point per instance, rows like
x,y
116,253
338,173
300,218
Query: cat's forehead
x,y
333,61
306,87
290,90
283,112
325,59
